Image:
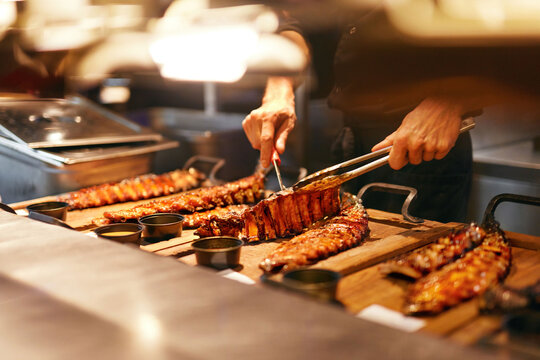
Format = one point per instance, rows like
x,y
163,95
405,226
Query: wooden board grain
x,y
23,204
389,236
525,271
362,284
477,329
377,249
523,240
82,219
367,287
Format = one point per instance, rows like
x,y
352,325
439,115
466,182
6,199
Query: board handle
x,y
217,165
489,215
396,189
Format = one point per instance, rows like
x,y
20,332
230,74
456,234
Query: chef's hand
x,y
268,126
426,133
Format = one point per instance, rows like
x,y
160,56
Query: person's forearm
x,y
279,88
283,86
268,126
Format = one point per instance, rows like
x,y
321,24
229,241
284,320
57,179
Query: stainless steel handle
x,y
466,125
398,189
325,179
218,164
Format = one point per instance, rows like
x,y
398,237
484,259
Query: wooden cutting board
x,y
362,285
82,219
368,287
389,236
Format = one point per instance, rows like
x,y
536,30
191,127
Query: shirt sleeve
x,y
287,22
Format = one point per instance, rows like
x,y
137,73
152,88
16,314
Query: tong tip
x,y
278,174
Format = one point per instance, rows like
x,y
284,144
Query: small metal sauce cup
x,y
134,237
56,209
318,283
161,226
218,252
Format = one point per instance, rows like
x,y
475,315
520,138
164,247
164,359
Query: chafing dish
x,y
50,146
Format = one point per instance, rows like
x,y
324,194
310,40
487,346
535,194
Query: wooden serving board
x,y
82,219
362,284
463,323
24,204
389,236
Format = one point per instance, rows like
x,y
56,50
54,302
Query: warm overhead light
x,y
50,25
218,53
191,42
55,136
8,14
197,43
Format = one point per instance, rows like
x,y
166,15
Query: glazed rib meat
x,y
283,214
432,257
245,190
196,219
467,277
334,235
132,189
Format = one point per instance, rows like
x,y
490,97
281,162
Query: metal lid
x,y
74,121
69,156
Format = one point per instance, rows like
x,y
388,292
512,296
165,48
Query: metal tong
x,y
326,178
277,161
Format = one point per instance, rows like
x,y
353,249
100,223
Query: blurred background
x,y
187,72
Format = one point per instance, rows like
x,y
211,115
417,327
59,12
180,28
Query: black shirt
x,y
378,70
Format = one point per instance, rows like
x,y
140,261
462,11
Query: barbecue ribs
x,y
133,189
463,279
246,190
432,257
283,214
333,235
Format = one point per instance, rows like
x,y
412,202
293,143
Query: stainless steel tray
x,y
76,144
75,155
24,176
74,121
